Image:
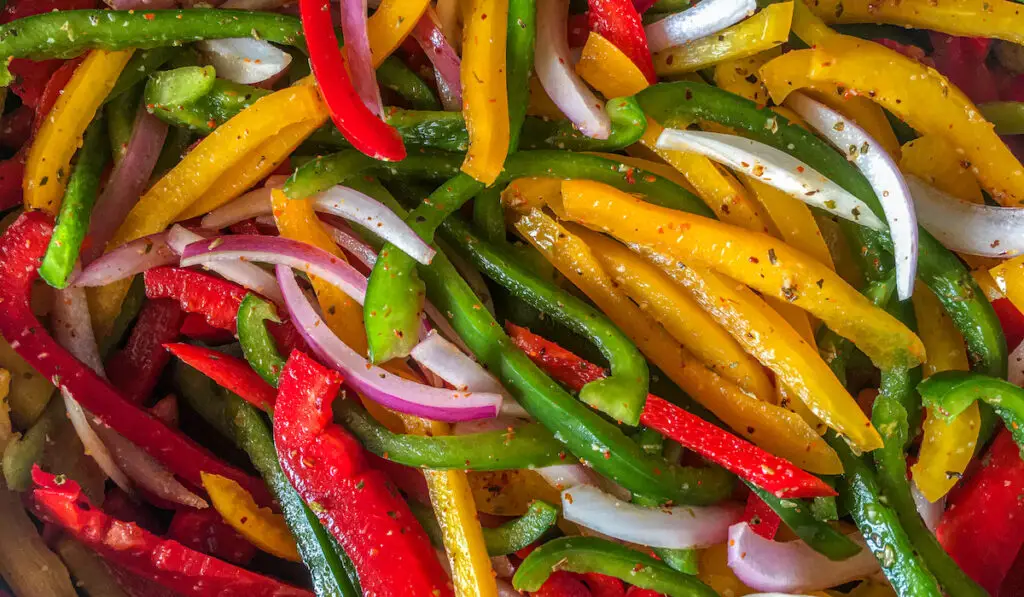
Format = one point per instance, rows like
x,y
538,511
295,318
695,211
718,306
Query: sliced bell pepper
x,y
754,259
1009,277
169,563
5,409
619,22
356,503
717,445
197,292
484,93
932,159
49,159
765,30
391,23
898,83
260,526
950,393
205,531
195,327
230,373
793,219
1012,320
740,75
21,248
983,525
761,518
135,369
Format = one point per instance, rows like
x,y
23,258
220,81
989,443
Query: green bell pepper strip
x,y
69,33
76,209
489,216
527,446
394,75
628,125
820,536
177,144
179,87
1008,117
622,394
940,269
142,64
650,440
521,41
120,114
130,307
949,393
591,554
521,532
880,526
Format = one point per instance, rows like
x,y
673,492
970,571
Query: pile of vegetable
x,y
615,298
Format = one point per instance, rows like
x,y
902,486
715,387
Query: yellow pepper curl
x,y
484,97
262,527
390,24
1009,277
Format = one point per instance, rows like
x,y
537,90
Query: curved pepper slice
x,y
903,86
21,248
232,374
1009,277
260,526
619,22
931,159
391,23
950,393
484,93
216,299
355,502
49,159
170,564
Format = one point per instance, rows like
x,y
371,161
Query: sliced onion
x,y
244,60
930,512
254,203
883,175
503,566
452,365
441,54
377,384
505,589
967,227
357,54
237,270
93,445
677,527
775,168
554,65
1017,366
706,18
766,565
374,215
127,181
344,238
565,476
127,260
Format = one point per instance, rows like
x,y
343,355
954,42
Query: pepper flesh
x,y
197,292
230,373
1009,277
49,158
619,22
261,526
135,369
950,393
484,92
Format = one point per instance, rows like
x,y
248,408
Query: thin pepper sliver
x,y
232,374
48,164
135,369
484,93
619,22
196,292
260,526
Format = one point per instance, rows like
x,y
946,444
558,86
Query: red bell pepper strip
x,y
229,372
216,299
363,511
166,409
31,78
962,60
206,532
22,248
357,123
1011,319
60,501
19,9
135,369
638,592
619,22
562,584
51,93
761,518
12,171
767,471
16,127
983,526
601,585
196,328
120,505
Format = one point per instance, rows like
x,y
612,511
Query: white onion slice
x,y
244,60
554,66
706,18
367,211
787,567
254,203
774,168
127,260
354,23
1016,376
237,270
883,175
93,445
677,527
452,365
377,384
967,227
930,512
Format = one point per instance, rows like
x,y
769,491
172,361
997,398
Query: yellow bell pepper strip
x,y
757,260
770,427
918,95
390,24
5,409
1009,277
262,527
714,571
946,447
808,26
682,317
484,97
999,19
931,159
740,75
613,73
767,29
794,220
49,159
509,493
541,103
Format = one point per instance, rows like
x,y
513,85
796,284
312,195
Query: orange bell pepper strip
x,y
773,428
390,24
757,260
931,159
1009,277
484,97
60,135
918,95
947,446
262,527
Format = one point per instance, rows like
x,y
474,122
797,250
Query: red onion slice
x,y
677,527
966,227
554,66
367,211
883,175
447,65
505,589
787,567
357,54
706,18
91,442
775,168
345,239
237,270
1016,376
127,181
377,384
127,260
244,60
452,365
930,512
250,205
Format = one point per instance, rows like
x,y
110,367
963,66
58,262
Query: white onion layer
x,y
708,17
244,60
